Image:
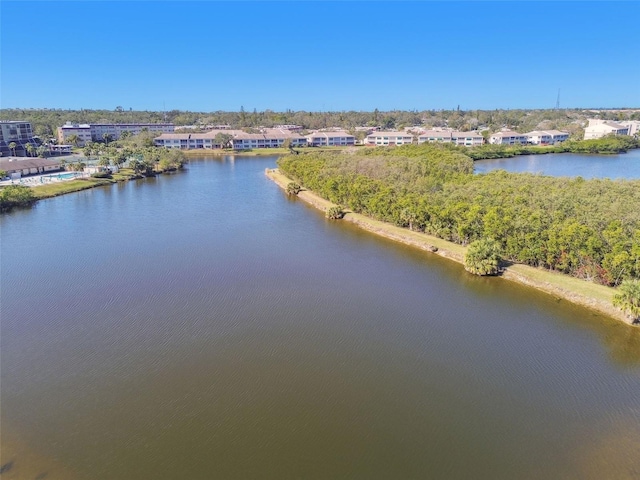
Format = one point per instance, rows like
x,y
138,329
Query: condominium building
x,y
599,128
82,131
546,137
330,139
271,138
240,140
187,141
508,137
465,139
96,132
389,138
17,132
632,125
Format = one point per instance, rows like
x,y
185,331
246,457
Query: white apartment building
x,y
269,138
633,125
466,139
508,137
599,128
546,137
330,139
389,138
18,132
187,141
95,132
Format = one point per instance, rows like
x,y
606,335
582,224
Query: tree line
x,y
46,121
586,228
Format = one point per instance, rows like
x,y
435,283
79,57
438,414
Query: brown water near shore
x,y
205,325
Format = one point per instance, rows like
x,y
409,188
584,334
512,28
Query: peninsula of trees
x,y
589,229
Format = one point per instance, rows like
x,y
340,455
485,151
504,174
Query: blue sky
x,y
319,56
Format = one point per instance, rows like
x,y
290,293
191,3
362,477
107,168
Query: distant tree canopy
x,y
586,228
46,121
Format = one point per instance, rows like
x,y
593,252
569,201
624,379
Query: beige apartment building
x,y
599,128
465,139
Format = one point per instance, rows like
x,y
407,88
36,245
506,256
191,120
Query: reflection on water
x,y
205,325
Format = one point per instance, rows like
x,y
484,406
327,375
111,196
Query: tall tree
x,y
30,149
73,139
12,147
223,139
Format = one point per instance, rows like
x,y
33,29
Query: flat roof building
x,y
599,128
18,132
389,138
95,132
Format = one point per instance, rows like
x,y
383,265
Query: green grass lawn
x,y
60,188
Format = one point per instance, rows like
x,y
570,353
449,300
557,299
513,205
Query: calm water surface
x,y
624,165
203,325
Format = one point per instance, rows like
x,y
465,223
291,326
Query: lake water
x,y
624,165
203,325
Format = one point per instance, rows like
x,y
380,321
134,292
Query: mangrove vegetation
x,y
589,229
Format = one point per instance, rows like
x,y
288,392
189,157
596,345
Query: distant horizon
x,y
608,109
319,56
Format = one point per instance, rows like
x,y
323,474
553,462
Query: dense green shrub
x,y
293,188
101,175
15,195
628,298
483,257
334,213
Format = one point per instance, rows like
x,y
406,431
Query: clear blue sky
x,y
319,56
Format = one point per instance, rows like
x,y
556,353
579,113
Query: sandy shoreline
x,y
590,295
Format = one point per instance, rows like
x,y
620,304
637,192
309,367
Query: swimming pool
x,y
63,176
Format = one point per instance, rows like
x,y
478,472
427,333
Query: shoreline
x,y
557,284
258,152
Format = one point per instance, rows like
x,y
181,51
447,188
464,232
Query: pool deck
x,y
44,178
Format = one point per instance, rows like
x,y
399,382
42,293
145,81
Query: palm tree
x,y
73,140
30,149
628,298
408,217
293,188
483,257
12,147
334,213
